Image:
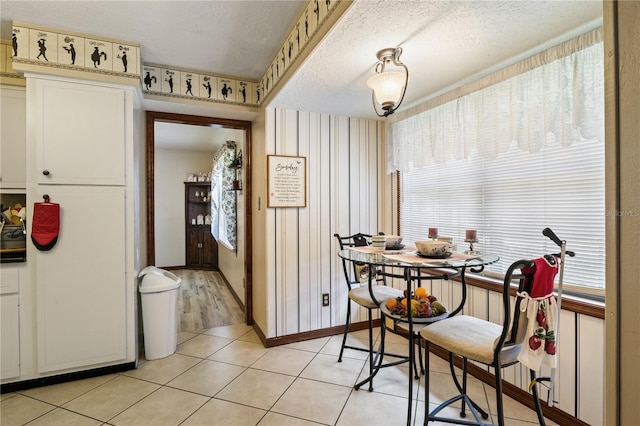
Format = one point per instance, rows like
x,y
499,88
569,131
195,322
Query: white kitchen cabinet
x,y
81,311
12,137
10,329
10,275
79,132
81,283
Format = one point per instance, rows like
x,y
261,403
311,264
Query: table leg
x,y
411,349
411,367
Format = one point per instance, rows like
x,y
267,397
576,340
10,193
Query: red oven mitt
x,y
45,226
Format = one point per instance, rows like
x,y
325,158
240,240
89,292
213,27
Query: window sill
x,y
570,303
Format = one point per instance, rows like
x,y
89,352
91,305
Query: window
x,y
511,158
223,199
509,200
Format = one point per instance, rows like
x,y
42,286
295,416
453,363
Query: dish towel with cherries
x,y
46,225
539,346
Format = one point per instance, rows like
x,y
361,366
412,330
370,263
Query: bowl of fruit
x,y
424,307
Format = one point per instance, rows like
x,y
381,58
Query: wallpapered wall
x,y
343,179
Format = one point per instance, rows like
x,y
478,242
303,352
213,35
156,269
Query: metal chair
x,y
359,293
495,345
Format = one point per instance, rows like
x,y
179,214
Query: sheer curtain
x,y
223,199
558,92
512,158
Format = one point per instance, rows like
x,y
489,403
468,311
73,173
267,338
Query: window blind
x,y
510,199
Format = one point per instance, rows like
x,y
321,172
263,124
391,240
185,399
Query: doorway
x,y
152,118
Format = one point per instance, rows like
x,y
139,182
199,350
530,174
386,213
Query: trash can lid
x,y
155,280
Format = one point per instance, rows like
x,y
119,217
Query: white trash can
x,y
159,292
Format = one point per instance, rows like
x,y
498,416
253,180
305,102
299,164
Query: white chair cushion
x,y
469,337
362,297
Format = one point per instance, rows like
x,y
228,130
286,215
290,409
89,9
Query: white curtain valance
x,y
560,97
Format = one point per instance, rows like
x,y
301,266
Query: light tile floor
x,y
225,376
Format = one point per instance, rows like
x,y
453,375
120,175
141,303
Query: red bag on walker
x,y
45,225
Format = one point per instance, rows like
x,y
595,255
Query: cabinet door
x,y
82,282
209,250
10,334
193,248
10,277
13,112
76,144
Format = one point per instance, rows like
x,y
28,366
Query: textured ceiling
x,y
445,42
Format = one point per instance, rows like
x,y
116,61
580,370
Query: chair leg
x,y
346,331
371,360
464,385
499,406
427,375
536,398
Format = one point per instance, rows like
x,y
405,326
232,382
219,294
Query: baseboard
x,y
67,377
233,293
308,335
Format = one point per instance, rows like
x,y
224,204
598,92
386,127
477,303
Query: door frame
x,y
151,118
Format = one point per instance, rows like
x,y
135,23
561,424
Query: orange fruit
x,y
391,303
404,302
421,292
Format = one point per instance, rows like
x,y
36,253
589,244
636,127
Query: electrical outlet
x,y
325,299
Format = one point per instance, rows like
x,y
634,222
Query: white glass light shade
x,y
387,87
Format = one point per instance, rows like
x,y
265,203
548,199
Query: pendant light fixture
x,y
389,86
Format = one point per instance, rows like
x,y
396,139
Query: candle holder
x,y
471,236
471,250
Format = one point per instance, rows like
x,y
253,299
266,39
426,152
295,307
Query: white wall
x,y
171,170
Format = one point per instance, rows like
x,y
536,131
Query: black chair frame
x,y
507,338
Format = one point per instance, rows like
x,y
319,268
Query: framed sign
x,y
287,179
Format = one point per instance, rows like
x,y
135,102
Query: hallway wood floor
x,y
205,301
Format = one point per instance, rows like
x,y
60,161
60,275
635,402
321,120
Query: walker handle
x,y
547,232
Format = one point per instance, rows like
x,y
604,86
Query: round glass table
x,y
412,267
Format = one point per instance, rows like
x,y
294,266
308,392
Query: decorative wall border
x,y
7,74
41,46
35,46
312,18
182,84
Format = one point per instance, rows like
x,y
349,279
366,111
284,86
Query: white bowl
x,y
432,248
393,240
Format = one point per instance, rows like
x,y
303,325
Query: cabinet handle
x,y
45,172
